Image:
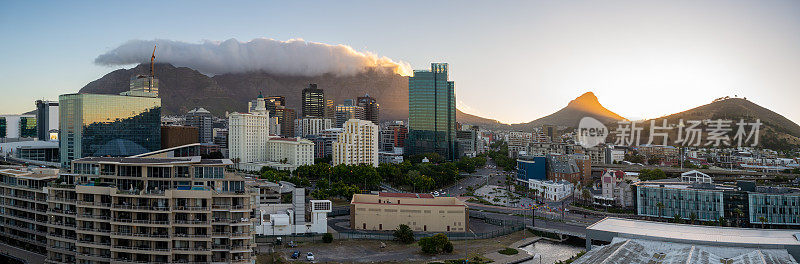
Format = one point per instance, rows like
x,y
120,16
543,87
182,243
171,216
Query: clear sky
x,y
514,61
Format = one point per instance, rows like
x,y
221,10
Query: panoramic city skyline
x,y
534,57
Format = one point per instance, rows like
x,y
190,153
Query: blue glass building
x,y
532,168
98,125
431,113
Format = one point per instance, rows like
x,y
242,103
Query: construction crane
x,y
152,60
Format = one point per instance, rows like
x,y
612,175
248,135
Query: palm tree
x,y
763,221
677,218
586,195
693,217
738,213
660,208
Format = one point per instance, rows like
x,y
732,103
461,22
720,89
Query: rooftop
x,y
623,250
696,234
406,195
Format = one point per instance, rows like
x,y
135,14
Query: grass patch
x,y
508,251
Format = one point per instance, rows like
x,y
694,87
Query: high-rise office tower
x,y
330,109
313,101
99,125
202,120
47,120
272,102
371,108
286,121
431,112
347,112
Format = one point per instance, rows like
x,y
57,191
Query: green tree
x,y
660,209
693,218
677,218
436,244
327,238
403,234
763,221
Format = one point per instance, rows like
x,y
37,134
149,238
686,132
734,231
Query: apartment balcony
x,y
241,249
139,235
142,250
94,231
128,207
220,234
190,208
94,257
94,204
221,220
220,207
140,222
179,235
191,250
92,244
220,248
91,217
190,222
241,235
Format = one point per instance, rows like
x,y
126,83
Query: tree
x,y
651,175
738,213
403,234
693,217
586,195
763,221
660,209
327,238
676,218
435,244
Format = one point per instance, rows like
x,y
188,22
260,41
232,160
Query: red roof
x,y
405,195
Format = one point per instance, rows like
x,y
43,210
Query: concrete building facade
x,y
357,144
421,212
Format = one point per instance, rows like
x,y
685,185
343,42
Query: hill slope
x,y
182,89
777,132
569,116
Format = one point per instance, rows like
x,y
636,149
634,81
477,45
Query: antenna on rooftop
x,y
152,60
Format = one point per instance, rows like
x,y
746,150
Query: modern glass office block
x,y
97,125
706,205
27,127
783,209
432,112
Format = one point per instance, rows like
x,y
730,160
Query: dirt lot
x,y
369,251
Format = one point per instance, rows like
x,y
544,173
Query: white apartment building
x,y
251,146
357,144
551,190
293,151
248,135
311,126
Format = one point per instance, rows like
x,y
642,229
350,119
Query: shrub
x,y
435,244
448,247
403,234
508,251
327,238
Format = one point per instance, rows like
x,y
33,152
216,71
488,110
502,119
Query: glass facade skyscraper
x,y
431,112
97,125
27,127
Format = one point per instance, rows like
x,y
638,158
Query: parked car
x,y
310,256
296,254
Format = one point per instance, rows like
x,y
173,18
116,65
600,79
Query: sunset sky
x,y
513,61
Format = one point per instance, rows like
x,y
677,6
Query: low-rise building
x,y
531,168
551,190
421,212
616,186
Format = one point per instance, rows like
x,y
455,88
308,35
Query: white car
x,y
310,256
436,194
